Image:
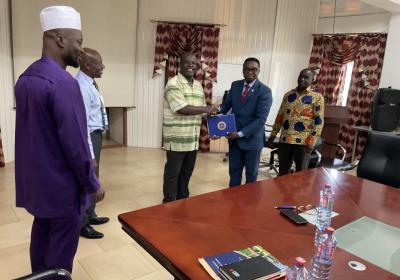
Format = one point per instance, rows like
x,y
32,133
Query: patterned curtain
x,y
2,162
330,53
364,82
173,39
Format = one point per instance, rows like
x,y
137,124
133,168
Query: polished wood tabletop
x,y
176,234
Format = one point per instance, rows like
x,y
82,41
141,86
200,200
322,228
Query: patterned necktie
x,y
103,109
96,86
244,93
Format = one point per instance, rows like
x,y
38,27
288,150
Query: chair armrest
x,y
46,274
319,156
338,146
267,128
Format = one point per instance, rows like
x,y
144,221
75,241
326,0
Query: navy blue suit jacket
x,y
250,115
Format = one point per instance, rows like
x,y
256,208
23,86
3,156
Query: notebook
x,y
256,268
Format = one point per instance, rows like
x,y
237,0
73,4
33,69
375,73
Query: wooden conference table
x,y
176,234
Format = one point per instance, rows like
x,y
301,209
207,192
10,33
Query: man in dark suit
x,y
250,101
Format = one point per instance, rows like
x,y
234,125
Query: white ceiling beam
x,y
392,6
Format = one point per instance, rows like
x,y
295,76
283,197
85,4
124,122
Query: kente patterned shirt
x,y
301,118
181,132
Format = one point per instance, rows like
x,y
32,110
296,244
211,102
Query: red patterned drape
x,y
330,53
173,39
364,81
2,163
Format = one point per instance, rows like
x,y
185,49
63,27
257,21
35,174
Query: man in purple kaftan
x,y
54,173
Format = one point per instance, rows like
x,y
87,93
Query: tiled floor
x,y
132,178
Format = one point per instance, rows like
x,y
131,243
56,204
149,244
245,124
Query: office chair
x,y
318,160
272,163
380,161
46,274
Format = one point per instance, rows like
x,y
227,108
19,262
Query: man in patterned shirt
x,y
184,105
301,117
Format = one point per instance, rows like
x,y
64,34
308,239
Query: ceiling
x,y
352,7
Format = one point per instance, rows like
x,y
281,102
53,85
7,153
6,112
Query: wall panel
x,y
295,23
108,26
7,113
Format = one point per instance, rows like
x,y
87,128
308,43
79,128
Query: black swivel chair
x,y
318,160
380,161
272,163
46,274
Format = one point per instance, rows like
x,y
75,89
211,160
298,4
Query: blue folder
x,y
221,125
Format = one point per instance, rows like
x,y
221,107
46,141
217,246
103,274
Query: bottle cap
x,y
300,261
327,186
330,229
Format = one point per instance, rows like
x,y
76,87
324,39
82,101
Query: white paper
x,y
311,215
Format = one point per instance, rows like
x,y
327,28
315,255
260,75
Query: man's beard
x,y
73,61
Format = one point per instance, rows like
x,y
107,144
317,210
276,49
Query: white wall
x,y
355,24
391,62
108,26
7,113
295,24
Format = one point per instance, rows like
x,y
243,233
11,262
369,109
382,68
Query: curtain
x,y
330,54
173,39
330,80
364,82
2,162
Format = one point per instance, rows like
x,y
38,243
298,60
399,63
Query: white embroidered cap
x,y
55,17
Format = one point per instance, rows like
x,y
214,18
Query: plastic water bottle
x,y
324,213
298,271
323,256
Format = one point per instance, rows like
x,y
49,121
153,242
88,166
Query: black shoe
x,y
91,233
167,200
98,220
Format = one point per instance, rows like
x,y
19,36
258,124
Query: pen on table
x,y
285,207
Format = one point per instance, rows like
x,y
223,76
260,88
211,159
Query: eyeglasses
x,y
250,69
304,208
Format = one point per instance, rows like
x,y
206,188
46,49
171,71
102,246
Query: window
x,y
344,91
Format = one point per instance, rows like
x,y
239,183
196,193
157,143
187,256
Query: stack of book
x,y
246,264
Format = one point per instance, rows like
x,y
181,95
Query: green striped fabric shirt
x,y
181,132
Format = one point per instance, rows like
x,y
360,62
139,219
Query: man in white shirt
x,y
91,67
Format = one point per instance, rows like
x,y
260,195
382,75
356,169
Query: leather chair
x,y
318,160
380,161
46,274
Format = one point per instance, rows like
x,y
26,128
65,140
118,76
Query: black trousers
x,y
96,137
289,152
177,172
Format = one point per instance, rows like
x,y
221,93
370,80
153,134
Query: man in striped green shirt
x,y
183,108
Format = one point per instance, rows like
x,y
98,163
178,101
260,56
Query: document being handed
x,y
221,125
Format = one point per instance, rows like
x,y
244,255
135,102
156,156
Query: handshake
x,y
212,110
